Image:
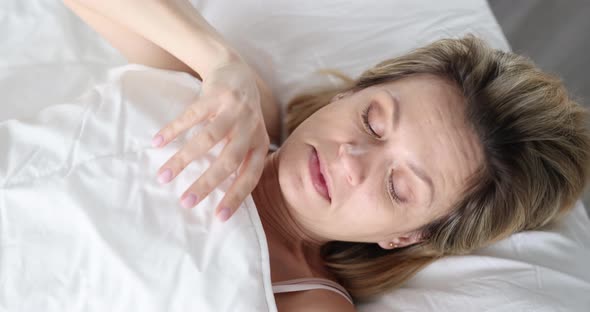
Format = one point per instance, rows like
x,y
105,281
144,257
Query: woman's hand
x,y
173,35
230,101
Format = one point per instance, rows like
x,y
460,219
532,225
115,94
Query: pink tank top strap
x,y
300,284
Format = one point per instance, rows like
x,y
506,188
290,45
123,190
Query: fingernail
x,y
223,215
165,176
189,201
157,141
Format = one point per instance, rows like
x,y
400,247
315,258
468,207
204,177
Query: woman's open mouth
x,y
317,179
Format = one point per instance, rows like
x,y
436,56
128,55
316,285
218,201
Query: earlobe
x,y
402,241
388,244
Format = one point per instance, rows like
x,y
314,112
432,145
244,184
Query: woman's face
x,y
385,179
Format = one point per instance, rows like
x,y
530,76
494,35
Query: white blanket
x,y
85,226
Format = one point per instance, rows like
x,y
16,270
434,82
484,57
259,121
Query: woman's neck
x,y
281,230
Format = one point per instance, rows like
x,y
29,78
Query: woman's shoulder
x,y
313,300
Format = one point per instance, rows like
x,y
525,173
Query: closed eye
x,y
366,123
389,186
391,189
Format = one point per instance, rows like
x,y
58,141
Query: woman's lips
x,y
317,178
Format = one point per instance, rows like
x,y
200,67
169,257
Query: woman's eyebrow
x,y
396,110
424,177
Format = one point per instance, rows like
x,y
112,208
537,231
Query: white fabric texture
x,y
85,226
98,233
530,271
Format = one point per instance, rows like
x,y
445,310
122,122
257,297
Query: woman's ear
x,y
402,240
340,96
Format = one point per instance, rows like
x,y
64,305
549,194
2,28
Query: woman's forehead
x,y
420,81
435,133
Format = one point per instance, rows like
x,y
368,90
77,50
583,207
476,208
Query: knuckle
x,y
248,128
189,115
228,96
208,138
231,201
259,127
174,127
236,199
250,109
168,130
231,164
182,158
250,180
205,185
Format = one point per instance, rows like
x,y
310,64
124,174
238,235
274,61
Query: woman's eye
x,y
366,123
391,190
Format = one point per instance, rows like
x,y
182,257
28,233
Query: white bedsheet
x,y
85,226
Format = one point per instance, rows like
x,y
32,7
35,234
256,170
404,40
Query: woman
x,y
438,152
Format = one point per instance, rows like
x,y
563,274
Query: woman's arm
x,y
134,47
169,35
173,25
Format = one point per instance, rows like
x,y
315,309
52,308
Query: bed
x,y
84,226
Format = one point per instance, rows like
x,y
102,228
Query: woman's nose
x,y
351,156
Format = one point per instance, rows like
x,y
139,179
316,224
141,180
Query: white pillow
x,y
545,270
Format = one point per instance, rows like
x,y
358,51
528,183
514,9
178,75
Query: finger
x,y
228,162
198,145
194,114
246,182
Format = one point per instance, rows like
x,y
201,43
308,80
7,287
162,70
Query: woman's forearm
x,y
174,25
134,47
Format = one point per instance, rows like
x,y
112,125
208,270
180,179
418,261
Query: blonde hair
x,y
536,145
